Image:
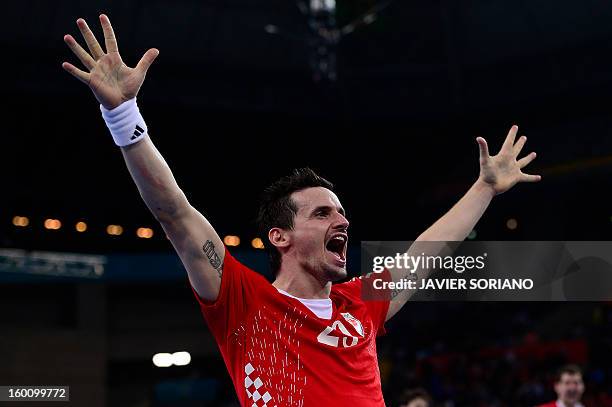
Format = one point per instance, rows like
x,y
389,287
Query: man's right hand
x,y
111,81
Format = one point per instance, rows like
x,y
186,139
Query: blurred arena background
x,y
385,99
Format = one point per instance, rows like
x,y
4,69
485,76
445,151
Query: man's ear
x,y
279,237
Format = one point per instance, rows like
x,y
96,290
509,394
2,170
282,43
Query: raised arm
x,y
115,86
498,174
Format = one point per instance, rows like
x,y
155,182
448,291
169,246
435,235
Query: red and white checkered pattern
x,y
254,388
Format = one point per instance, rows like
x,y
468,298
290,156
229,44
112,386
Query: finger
x,y
519,146
90,39
509,141
109,35
146,60
484,148
83,56
526,160
530,178
76,72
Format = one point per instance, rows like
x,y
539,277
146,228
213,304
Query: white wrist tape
x,y
125,123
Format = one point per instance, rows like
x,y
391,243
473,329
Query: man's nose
x,y
341,222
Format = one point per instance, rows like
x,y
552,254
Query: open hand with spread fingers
x,y
111,81
502,171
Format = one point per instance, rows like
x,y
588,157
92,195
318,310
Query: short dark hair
x,y
569,369
277,209
412,394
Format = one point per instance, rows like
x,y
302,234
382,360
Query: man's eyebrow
x,y
327,208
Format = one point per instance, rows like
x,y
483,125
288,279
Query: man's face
x,y
570,388
319,237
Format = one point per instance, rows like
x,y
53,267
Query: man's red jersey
x,y
279,353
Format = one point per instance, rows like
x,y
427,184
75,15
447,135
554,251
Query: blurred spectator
x,y
569,387
415,398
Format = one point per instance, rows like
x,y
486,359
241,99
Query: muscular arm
x,y
455,225
497,174
194,239
113,83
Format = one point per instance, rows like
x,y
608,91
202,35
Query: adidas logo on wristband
x,y
137,133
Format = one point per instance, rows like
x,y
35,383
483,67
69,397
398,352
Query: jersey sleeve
x,y
238,287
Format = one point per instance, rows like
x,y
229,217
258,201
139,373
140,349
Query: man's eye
x,y
321,213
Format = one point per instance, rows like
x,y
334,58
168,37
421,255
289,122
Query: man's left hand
x,y
502,171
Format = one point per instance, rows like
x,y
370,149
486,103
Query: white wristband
x,y
125,123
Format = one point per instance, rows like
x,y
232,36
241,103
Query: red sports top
x,y
280,354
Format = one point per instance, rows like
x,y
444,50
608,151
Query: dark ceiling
x,y
232,107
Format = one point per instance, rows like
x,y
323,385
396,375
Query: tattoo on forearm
x,y
395,293
213,257
398,291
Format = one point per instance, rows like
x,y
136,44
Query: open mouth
x,y
337,246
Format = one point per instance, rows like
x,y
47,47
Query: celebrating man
x,y
300,341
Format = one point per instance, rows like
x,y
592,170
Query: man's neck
x,y
302,284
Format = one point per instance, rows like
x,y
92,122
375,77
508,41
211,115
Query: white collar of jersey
x,y
322,308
